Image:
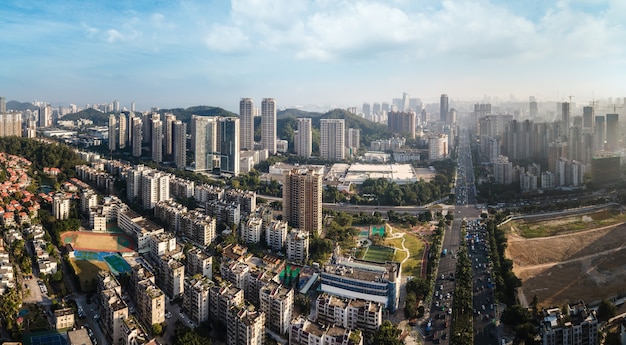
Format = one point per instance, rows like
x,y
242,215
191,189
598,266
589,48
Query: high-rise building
x,y
179,143
157,140
503,170
443,108
268,125
112,133
132,106
116,106
302,199
402,122
3,105
45,116
146,120
298,246
61,206
229,145
376,110
588,119
612,132
303,138
168,131
204,142
246,124
599,133
533,107
277,304
137,136
155,187
565,115
123,128
367,111
353,141
245,326
11,125
437,147
332,133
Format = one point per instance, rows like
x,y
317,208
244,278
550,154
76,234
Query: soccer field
x,y
379,254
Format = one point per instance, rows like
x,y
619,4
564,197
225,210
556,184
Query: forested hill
x,y
19,106
286,124
102,119
99,118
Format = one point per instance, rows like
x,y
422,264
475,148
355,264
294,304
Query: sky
x,y
340,53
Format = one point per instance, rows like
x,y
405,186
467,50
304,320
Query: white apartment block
x,y
298,246
438,147
155,187
246,128
245,326
276,234
199,262
252,230
303,138
349,313
306,332
61,206
150,302
268,125
332,135
277,304
196,300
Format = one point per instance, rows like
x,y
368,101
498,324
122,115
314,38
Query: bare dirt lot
x,y
588,264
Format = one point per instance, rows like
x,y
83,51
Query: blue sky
x,y
326,52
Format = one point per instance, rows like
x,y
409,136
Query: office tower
x,y
229,145
168,133
588,119
376,109
302,199
367,111
116,106
599,135
132,106
303,138
45,116
353,141
406,102
332,133
122,131
137,136
437,147
157,141
147,127
402,123
565,115
612,132
246,124
204,142
443,108
179,143
3,105
112,133
268,125
385,107
533,107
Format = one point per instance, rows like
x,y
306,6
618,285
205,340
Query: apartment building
x,y
245,326
277,304
349,313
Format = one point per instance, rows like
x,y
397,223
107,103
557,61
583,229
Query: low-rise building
x,y
64,318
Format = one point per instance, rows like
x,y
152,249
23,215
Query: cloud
x,y
227,39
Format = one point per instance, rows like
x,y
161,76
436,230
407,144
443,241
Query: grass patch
x,y
379,254
412,266
87,272
568,224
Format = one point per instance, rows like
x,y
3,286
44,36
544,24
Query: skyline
x,y
343,53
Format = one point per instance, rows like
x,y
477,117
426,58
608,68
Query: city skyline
x,y
302,53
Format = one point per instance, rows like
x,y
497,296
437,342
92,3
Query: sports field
x,y
98,242
46,338
379,254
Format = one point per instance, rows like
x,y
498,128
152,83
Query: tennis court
x,y
116,263
289,274
379,254
378,230
48,339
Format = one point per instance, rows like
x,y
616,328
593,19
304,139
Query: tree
x,y
186,336
410,306
387,334
157,329
606,310
515,315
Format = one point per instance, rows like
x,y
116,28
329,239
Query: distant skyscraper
x,y
303,138
116,106
246,118
179,143
132,106
3,105
332,143
137,136
376,109
443,108
302,199
157,140
534,108
268,125
229,145
565,115
402,123
168,131
599,133
45,116
385,107
112,133
588,118
406,102
146,119
367,111
612,132
204,141
353,141
123,135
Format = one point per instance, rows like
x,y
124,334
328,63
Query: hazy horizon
x,y
322,53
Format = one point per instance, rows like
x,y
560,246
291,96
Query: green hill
x,y
286,125
202,110
99,118
19,106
